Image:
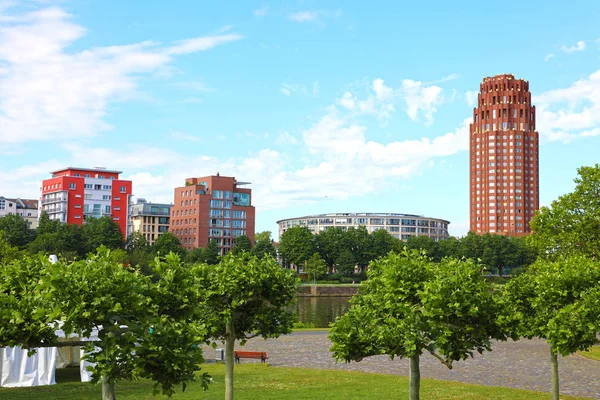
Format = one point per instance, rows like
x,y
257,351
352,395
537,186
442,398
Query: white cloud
x,y
315,88
421,98
548,57
285,138
304,16
261,12
184,136
579,46
288,89
285,91
347,100
570,113
471,97
49,93
382,92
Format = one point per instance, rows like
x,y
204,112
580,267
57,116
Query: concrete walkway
x,y
524,364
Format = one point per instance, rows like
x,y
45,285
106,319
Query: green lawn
x,y
255,381
594,353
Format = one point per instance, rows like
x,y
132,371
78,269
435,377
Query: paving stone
x,y
524,364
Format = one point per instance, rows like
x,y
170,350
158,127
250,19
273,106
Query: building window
x,y
241,214
72,185
216,204
106,197
217,194
107,209
123,189
88,186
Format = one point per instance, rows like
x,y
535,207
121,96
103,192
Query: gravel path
x,y
524,364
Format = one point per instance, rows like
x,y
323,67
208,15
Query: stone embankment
x,y
327,290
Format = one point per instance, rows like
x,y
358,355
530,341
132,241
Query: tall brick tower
x,y
504,173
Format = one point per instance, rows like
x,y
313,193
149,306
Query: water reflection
x,y
320,311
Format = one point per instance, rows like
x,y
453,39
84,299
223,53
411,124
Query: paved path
x,y
524,364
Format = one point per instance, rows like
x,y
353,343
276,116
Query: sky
x,y
324,106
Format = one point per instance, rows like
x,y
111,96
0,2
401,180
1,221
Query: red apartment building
x,y
504,158
212,208
74,194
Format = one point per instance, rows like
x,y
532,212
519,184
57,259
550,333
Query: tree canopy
x,y
241,244
410,305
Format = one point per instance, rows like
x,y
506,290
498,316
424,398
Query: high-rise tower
x,y
504,158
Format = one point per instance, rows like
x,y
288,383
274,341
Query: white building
x,y
26,208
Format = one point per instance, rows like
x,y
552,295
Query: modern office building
x,y
26,208
504,160
150,219
74,194
215,208
401,226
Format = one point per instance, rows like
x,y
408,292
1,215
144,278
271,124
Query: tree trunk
x,y
555,386
415,378
108,390
229,359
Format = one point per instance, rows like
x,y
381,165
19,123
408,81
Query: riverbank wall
x,y
327,290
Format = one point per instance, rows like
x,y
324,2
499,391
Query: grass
x,y
593,354
255,381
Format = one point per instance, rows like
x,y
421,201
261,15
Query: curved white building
x,y
401,226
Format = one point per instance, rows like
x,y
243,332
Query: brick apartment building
x,y
212,208
504,159
74,194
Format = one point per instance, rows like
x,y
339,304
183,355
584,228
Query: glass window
x,y
227,195
242,214
71,185
123,189
241,199
217,194
216,204
107,210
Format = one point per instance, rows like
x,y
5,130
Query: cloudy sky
x,y
328,106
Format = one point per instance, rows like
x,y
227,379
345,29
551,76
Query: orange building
x,y
504,159
212,208
74,194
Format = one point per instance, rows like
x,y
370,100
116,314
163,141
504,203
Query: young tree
x,y
383,243
247,297
427,244
264,248
166,243
410,305
264,236
450,247
360,245
330,243
102,231
558,301
345,263
16,230
145,328
296,245
316,267
240,244
570,224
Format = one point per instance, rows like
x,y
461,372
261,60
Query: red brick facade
x,y
212,207
504,159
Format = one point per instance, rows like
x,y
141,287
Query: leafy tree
x,y
410,305
345,263
427,244
571,223
383,243
471,246
46,224
360,245
208,255
450,247
16,230
330,243
145,329
166,243
316,267
263,237
7,252
247,297
296,245
240,244
264,248
26,317
102,231
139,252
558,301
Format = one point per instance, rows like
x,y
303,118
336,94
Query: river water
x,y
320,311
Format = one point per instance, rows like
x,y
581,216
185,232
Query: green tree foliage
x,y
296,245
264,248
241,244
139,252
209,255
451,247
360,244
247,297
558,301
572,223
383,243
146,328
60,239
315,267
264,236
166,243
410,305
26,317
16,230
102,231
330,243
7,252
345,263
427,244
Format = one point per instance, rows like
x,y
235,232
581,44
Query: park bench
x,y
260,355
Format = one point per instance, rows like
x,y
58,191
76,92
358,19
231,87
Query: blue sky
x,y
329,106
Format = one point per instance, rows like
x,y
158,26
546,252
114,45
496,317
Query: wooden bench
x,y
261,355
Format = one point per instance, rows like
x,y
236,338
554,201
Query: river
x,y
320,311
